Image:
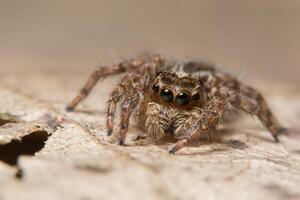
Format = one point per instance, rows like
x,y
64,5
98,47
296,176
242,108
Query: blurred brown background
x,y
258,38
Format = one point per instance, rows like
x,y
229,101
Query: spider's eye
x,y
167,95
155,88
196,97
182,99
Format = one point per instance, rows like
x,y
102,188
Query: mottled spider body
x,y
184,98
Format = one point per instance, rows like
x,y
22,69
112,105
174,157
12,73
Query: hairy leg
x,y
186,119
209,118
252,102
139,65
127,95
247,99
115,97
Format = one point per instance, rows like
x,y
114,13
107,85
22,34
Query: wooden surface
x,y
47,51
78,162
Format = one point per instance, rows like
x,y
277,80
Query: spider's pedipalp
x,y
156,123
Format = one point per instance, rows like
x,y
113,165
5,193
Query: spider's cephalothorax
x,y
181,92
183,98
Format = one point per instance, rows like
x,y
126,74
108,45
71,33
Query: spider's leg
x,y
141,66
115,97
125,115
135,87
209,118
252,102
98,74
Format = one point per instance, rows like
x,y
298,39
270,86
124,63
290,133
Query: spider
x,y
186,99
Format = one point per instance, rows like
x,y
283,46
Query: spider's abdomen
x,y
192,69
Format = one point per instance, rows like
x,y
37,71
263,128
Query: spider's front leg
x,y
127,95
211,114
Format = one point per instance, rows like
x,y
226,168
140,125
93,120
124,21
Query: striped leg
x,y
252,102
127,96
139,65
209,118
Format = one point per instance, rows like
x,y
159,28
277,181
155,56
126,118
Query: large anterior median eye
x,y
166,95
182,99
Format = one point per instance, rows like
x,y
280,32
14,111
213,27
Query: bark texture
x,y
69,156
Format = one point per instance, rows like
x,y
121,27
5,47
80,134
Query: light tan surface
x,y
77,162
47,50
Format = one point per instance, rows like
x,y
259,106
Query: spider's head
x,y
183,92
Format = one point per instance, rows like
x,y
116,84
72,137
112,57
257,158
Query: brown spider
x,y
184,98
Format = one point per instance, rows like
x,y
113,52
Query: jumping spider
x,y
184,98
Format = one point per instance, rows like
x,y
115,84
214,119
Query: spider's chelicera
x,y
184,98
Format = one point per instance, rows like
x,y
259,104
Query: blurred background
x,y
259,38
